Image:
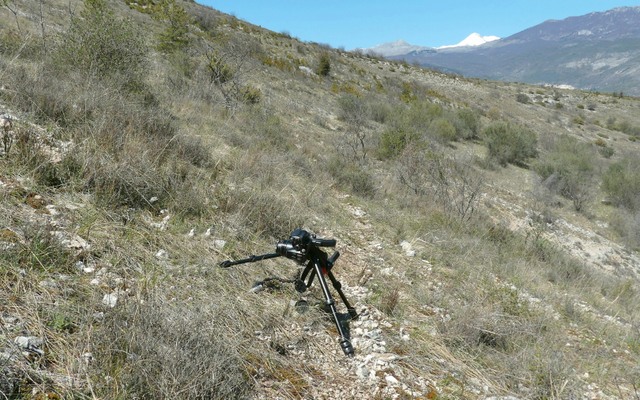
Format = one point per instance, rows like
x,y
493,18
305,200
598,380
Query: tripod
x,y
304,248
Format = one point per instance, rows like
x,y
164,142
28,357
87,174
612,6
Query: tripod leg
x,y
344,342
338,286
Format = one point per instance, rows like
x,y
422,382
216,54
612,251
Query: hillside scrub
x,y
422,122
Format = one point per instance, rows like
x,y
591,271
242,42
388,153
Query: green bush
x,y
324,64
102,45
569,169
523,98
443,130
176,34
393,142
467,123
621,182
508,143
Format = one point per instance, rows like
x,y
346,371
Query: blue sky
x,y
353,24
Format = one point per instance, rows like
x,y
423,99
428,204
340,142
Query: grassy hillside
x,y
489,231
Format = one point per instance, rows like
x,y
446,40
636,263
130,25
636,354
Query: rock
x,y
391,380
408,249
306,70
30,343
48,284
71,241
87,357
87,269
362,372
110,300
162,254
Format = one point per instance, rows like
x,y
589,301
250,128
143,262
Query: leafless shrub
x,y
227,67
354,111
453,183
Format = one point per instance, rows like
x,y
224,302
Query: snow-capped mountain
x,y
598,51
475,39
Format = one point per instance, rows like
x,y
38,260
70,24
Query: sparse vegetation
x,y
151,140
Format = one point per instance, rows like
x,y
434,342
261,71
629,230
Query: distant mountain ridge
x,y
598,51
401,47
397,48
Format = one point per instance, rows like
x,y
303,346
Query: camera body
x,y
299,245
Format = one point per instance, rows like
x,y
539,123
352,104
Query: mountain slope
x,y
481,269
598,51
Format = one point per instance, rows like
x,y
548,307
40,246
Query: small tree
x,y
324,64
176,35
467,123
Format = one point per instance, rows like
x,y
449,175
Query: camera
x,y
296,247
299,243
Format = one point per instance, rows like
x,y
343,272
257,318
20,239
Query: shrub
x,y
102,45
568,169
251,94
352,109
176,34
621,182
443,130
324,64
352,177
393,142
226,66
467,123
627,224
509,143
453,183
523,98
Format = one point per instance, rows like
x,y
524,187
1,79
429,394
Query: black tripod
x,y
304,247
